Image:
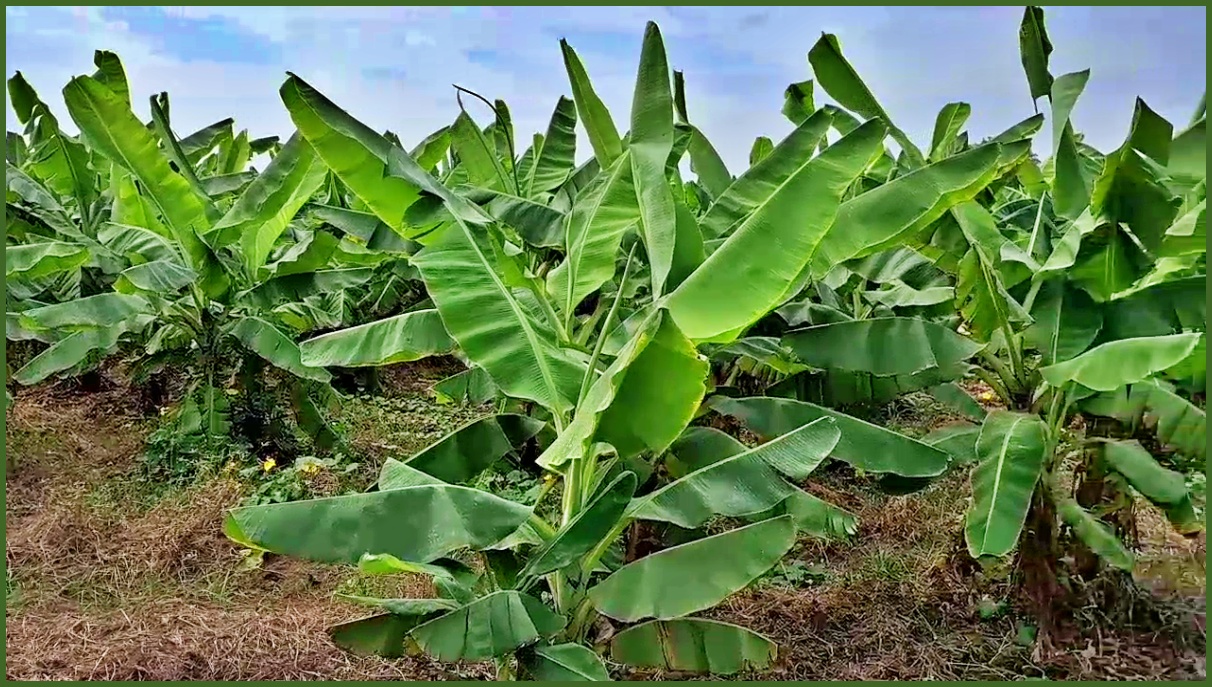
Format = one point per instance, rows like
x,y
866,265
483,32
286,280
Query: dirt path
x,y
101,587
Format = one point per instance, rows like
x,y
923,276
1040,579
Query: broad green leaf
x,y
688,249
38,260
451,578
403,338
379,635
353,151
602,213
984,304
1127,361
405,607
705,162
755,187
22,97
270,343
477,155
1070,193
1034,48
270,202
603,136
743,484
500,329
835,75
1131,191
901,295
659,395
797,102
958,440
699,447
954,397
114,131
1178,423
668,585
1130,459
226,183
1066,322
1021,131
340,529
1188,165
586,530
727,292
397,475
947,126
204,140
1065,250
573,443
884,217
172,150
298,287
156,277
1011,448
311,252
538,224
863,445
564,662
556,157
42,203
74,349
883,346
1188,235
469,450
1096,535
650,141
692,645
472,386
762,351
130,208
762,148
1108,263
101,310
490,626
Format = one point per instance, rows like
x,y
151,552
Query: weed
x,y
794,574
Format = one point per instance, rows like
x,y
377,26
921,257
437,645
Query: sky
x,y
393,67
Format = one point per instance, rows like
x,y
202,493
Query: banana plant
x,y
585,297
206,280
1111,322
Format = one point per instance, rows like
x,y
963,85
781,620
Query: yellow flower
x,y
986,396
309,468
269,464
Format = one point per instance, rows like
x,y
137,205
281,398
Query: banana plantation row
x,y
606,309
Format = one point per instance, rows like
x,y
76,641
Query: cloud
x,y
393,67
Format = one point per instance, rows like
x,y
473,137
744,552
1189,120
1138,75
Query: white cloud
x,y
736,61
